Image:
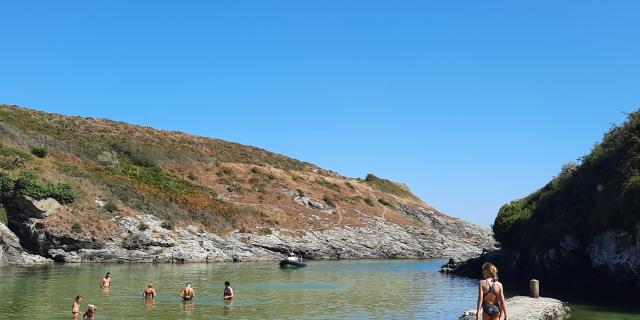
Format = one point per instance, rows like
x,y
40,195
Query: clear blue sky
x,y
471,103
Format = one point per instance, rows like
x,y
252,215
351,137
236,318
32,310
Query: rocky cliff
x,y
581,230
93,190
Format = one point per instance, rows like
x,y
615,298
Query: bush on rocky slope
x,y
601,193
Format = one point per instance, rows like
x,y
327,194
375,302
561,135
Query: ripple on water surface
x,y
397,289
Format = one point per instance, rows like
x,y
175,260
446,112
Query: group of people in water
x,y
491,302
187,294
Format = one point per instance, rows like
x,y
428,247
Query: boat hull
x,y
291,264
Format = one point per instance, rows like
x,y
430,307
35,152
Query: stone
x,y
38,209
525,308
12,253
440,236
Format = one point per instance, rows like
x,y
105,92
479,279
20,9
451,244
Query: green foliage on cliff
x,y
29,184
389,186
602,192
3,216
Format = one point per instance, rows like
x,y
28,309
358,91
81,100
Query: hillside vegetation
x,y
600,193
216,185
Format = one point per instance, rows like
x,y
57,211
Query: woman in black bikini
x,y
491,303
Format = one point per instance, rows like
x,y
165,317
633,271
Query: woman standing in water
x,y
491,303
76,307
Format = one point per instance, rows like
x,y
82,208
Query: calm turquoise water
x,y
395,289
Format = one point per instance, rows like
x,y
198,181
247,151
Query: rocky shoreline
x,y
143,239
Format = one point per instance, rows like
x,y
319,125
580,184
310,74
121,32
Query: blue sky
x,y
471,103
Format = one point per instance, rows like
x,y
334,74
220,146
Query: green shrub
x,y
63,192
111,206
3,216
12,162
387,203
137,154
369,202
6,184
328,185
76,228
329,201
389,186
8,151
28,184
40,151
300,192
266,231
157,178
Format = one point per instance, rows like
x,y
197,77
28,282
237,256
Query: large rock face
x,y
12,253
143,239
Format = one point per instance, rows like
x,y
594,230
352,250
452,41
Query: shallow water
x,y
396,289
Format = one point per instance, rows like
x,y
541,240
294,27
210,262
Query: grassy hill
x,y
600,193
100,167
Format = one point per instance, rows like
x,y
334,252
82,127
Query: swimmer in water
x,y
188,293
149,291
106,281
91,313
228,291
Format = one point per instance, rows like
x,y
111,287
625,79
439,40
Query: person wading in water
x,y
491,303
188,293
106,281
149,291
76,307
228,291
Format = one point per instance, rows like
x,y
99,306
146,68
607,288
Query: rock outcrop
x,y
525,308
12,253
144,239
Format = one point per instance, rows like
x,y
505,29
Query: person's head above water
x,y
188,284
489,271
227,283
108,275
78,298
150,285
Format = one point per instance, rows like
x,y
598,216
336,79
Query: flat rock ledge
x,y
525,308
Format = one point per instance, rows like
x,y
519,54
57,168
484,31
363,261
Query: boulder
x,y
12,253
525,308
38,209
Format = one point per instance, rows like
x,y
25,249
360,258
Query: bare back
x,y
491,296
491,292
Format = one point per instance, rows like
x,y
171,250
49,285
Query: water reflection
x,y
149,304
188,307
